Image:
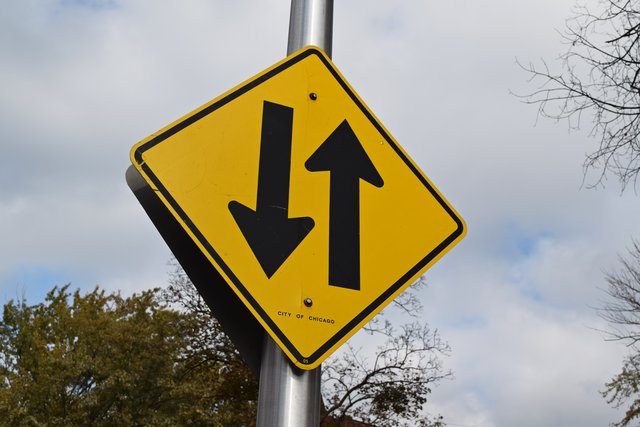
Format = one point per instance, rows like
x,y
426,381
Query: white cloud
x,y
81,82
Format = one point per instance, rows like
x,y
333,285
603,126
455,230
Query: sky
x,y
81,81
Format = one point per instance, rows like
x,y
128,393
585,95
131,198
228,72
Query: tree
x,y
161,358
599,81
101,359
622,312
388,388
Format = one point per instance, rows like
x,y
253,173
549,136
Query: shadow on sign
x,y
236,320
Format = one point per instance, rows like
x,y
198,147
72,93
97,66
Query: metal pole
x,y
311,23
289,396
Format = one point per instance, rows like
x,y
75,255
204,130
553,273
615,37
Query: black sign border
x,y
292,60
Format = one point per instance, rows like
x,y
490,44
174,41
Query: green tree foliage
x,y
623,314
103,360
160,358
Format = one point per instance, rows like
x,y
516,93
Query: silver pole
x,y
311,23
289,396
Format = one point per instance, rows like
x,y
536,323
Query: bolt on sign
x,y
302,200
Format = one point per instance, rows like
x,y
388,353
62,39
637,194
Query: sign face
x,y
303,202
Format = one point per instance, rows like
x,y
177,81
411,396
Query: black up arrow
x,y
269,231
343,155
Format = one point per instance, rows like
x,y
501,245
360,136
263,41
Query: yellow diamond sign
x,y
303,202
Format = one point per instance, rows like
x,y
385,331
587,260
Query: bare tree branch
x,y
388,390
598,81
391,388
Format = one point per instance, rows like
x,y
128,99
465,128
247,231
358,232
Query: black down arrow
x,y
269,231
343,156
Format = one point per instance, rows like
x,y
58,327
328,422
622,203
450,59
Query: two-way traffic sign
x,y
302,201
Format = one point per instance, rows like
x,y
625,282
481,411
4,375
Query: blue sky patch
x,y
90,4
32,283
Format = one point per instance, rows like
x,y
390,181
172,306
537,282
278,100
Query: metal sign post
x,y
289,396
310,24
255,259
